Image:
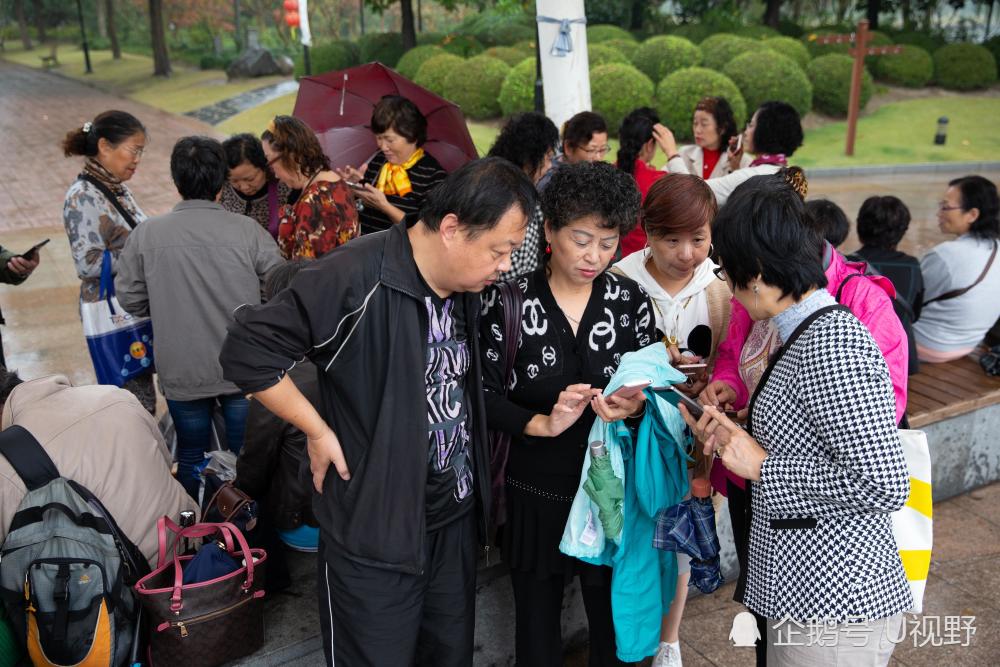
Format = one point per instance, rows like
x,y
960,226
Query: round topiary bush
x,y
411,61
475,86
429,38
508,54
679,93
518,91
831,80
912,67
432,73
465,46
993,44
964,66
722,47
695,32
384,47
659,56
599,54
627,47
328,57
617,89
507,34
604,33
765,75
929,42
757,32
789,28
790,48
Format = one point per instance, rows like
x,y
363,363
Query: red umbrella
x,y
338,106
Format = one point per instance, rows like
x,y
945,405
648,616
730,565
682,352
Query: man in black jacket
x,y
391,321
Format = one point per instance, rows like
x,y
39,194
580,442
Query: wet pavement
x,y
214,114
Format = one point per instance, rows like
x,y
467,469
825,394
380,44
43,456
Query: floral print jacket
x,y
323,218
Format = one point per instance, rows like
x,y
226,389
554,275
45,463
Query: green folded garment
x,y
608,493
10,648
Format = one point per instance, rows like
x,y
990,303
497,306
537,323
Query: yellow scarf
x,y
393,179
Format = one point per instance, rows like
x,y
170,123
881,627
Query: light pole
x,y
83,33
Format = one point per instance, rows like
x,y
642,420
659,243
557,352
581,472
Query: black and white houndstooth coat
x,y
821,544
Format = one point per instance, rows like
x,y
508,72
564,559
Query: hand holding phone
x,y
693,406
630,390
32,253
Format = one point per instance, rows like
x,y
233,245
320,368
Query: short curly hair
x,y
525,139
296,144
582,189
882,222
778,130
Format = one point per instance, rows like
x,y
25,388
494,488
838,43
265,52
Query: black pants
x,y
740,517
377,617
538,612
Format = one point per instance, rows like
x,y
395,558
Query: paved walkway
x,y
213,114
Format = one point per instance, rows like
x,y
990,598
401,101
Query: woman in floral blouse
x,y
99,211
252,190
324,215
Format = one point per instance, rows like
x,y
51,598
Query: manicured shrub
x,y
527,47
722,47
695,32
929,42
659,56
993,44
831,80
599,54
384,47
475,86
508,54
790,28
465,46
627,47
432,73
617,89
328,57
518,91
757,32
411,61
912,67
604,33
679,93
791,48
964,66
765,75
493,28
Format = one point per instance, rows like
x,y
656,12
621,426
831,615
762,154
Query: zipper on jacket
x,y
182,625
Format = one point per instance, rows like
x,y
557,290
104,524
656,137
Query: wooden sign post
x,y
859,40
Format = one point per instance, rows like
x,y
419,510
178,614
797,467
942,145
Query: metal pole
x,y
854,103
83,33
539,86
361,13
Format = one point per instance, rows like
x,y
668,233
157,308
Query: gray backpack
x,y
66,569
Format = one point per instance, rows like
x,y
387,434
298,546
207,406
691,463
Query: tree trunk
x,y
409,31
116,48
102,19
638,14
161,58
39,16
989,18
906,9
772,13
22,24
873,9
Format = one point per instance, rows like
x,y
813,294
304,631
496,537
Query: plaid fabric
x,y
528,256
689,527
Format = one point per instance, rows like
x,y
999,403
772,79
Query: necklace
x,y
569,317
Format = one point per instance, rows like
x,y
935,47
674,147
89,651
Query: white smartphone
x,y
631,389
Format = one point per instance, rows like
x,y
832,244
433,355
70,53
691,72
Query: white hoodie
x,y
675,315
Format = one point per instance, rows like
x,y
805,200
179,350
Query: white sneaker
x,y
668,655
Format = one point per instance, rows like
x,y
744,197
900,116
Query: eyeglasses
x,y
136,152
943,206
270,163
720,273
598,152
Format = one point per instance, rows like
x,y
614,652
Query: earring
x,y
756,295
711,250
548,248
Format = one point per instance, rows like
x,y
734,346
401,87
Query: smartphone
x,y
691,370
356,186
693,406
631,389
33,251
739,143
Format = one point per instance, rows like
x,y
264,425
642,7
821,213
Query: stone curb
x,y
901,169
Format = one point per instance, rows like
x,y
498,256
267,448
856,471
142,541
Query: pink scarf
x,y
769,158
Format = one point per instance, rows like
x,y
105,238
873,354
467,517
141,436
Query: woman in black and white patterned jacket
x,y
820,448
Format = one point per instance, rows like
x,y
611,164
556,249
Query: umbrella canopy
x,y
338,107
608,493
689,527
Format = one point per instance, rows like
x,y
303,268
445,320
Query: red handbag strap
x,y
202,530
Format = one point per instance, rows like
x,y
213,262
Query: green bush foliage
x,y
679,93
475,86
757,32
599,54
790,48
993,44
605,33
508,54
964,66
465,46
831,80
626,46
411,61
617,89
766,75
518,91
722,47
659,56
696,33
385,47
429,38
929,42
912,67
432,73
498,28
328,57
790,28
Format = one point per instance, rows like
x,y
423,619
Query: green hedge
x,y
465,46
929,42
411,61
432,73
659,56
757,32
766,75
694,32
790,28
508,54
722,47
626,46
679,93
385,47
518,91
328,57
993,44
495,28
831,80
964,66
617,89
790,48
599,54
475,86
604,33
913,67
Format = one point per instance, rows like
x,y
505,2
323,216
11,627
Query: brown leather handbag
x,y
210,622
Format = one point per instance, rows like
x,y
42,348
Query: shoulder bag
x,y
513,301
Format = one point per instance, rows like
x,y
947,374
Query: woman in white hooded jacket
x,y
691,306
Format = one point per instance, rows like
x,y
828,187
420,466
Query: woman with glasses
x,y
99,210
252,190
961,277
715,152
584,139
323,216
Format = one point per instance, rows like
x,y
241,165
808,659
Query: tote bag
x,y
121,346
912,526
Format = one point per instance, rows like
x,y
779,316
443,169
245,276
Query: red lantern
x,y
291,5
292,19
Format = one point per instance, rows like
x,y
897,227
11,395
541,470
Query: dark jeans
x,y
740,516
193,423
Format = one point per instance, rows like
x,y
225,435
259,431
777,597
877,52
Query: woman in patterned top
x,y
324,215
578,320
99,210
396,181
252,190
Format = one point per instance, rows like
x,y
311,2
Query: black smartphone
x,y
33,251
693,406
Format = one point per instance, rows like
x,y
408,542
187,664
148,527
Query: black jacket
x,y
359,315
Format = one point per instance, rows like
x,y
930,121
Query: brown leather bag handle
x,y
959,292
